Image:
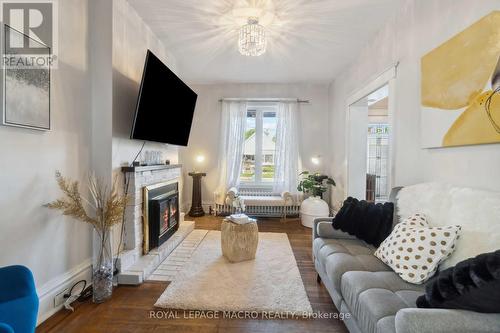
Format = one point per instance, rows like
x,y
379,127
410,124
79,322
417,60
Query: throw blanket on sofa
x,y
369,222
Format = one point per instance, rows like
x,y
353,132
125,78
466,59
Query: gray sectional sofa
x,y
375,299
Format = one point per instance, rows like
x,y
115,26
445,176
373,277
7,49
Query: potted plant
x,y
313,185
104,210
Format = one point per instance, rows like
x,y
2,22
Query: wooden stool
x,y
239,241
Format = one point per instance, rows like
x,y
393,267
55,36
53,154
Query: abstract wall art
x,y
461,88
26,87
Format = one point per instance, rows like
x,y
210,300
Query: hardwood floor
x,y
129,309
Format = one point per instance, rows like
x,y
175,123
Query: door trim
x,y
388,77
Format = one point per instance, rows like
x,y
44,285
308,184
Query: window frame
x,y
259,108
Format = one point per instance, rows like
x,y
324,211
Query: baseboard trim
x,y
206,205
49,290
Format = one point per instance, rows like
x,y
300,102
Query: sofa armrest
x,y
415,320
318,221
4,328
17,282
323,228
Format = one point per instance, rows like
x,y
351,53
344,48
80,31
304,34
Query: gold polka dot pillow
x,y
414,250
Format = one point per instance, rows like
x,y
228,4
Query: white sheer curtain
x,y
287,156
232,138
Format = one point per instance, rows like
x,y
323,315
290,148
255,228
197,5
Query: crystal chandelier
x,y
252,41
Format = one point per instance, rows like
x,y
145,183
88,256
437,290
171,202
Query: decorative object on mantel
x,y
26,88
196,207
313,185
105,210
152,157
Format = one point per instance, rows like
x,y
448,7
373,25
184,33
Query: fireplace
x,y
161,214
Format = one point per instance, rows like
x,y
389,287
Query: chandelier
x,y
252,41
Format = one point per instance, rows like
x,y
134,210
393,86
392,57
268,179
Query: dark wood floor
x,y
129,309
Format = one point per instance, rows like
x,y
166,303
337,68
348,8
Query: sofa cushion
x,y
414,250
325,230
263,200
337,256
323,247
375,297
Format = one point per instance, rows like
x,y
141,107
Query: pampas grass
x,y
104,209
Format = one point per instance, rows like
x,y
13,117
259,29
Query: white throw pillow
x,y
414,250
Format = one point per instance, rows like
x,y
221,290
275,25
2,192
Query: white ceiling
x,y
308,40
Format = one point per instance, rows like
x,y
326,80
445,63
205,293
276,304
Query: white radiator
x,y
264,210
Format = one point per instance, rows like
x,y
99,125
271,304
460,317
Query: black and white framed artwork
x,y
26,85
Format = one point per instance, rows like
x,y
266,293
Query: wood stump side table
x,y
196,207
239,241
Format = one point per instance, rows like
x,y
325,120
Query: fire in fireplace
x,y
161,212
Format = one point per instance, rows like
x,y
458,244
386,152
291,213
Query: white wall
x,y
31,235
419,27
204,137
131,39
93,98
358,138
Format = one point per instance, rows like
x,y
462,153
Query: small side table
x,y
196,207
239,241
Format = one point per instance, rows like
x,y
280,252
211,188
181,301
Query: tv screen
x,y
165,106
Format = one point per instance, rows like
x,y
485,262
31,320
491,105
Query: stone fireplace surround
x,y
134,265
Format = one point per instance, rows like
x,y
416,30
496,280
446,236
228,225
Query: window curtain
x,y
287,157
232,139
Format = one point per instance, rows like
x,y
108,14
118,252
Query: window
x,y
260,143
377,161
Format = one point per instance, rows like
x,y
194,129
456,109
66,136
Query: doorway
x,y
370,140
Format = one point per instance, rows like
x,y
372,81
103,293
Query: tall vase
x,y
102,268
312,208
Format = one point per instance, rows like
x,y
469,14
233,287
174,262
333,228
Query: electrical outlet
x,y
59,299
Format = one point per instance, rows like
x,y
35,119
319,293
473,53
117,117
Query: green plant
x,y
249,133
314,183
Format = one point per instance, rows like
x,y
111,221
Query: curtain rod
x,y
269,100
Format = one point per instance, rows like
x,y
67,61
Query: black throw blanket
x,y
367,221
473,284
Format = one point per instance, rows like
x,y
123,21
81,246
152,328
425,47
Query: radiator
x,y
289,210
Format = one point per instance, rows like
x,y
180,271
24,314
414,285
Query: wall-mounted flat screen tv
x,y
165,105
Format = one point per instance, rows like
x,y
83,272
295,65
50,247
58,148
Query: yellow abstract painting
x,y
461,87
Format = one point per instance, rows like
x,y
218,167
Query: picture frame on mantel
x,y
25,89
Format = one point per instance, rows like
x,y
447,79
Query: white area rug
x,y
270,283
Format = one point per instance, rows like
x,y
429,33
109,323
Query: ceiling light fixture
x,y
252,41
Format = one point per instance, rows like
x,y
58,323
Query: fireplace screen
x,y
167,212
163,214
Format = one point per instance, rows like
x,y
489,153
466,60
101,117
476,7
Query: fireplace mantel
x,y
134,264
141,168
